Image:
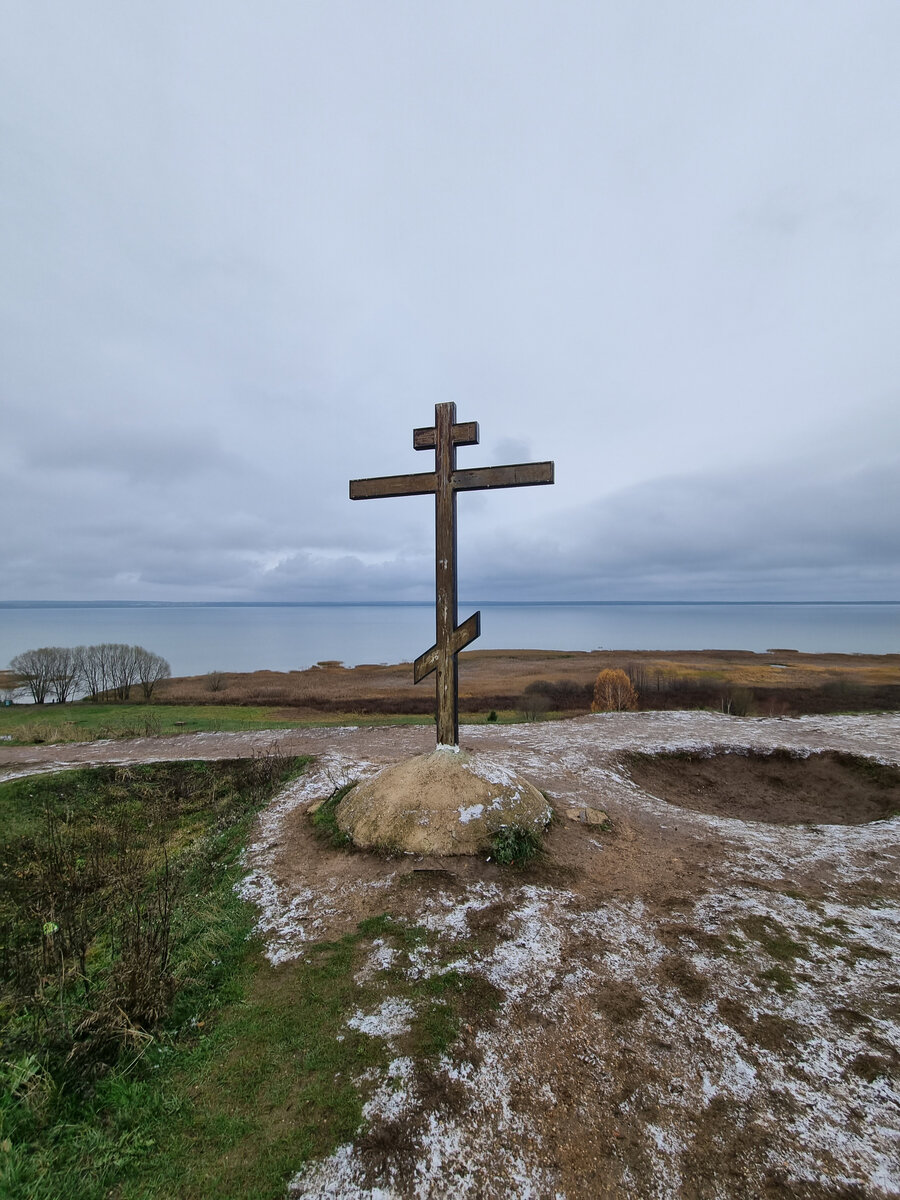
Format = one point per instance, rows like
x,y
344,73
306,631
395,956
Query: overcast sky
x,y
245,248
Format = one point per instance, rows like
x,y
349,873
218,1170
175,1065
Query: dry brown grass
x,y
778,681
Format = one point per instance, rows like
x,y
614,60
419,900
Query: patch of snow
x,y
452,1156
443,915
472,813
490,771
380,958
392,1098
522,961
390,1019
337,1178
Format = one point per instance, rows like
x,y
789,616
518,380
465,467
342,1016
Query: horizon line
x,y
404,603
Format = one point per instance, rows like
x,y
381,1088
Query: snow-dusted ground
x,y
784,1092
821,1122
643,1047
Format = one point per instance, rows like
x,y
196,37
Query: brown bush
x,y
613,692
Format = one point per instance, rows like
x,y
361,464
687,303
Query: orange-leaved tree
x,y
613,692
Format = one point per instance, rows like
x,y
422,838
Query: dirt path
x,y
695,1005
541,743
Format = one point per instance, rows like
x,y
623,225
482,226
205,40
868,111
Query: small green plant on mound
x,y
492,715
515,845
324,818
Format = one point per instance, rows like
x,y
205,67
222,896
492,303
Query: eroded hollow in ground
x,y
781,787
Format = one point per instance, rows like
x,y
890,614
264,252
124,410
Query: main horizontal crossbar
x,y
393,485
516,475
479,479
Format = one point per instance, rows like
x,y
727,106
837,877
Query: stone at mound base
x,y
447,802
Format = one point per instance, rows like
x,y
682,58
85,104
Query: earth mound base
x,y
447,802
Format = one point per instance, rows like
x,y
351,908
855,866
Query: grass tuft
x,y
781,980
324,818
515,845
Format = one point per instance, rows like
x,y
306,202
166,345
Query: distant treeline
x,y
109,671
671,692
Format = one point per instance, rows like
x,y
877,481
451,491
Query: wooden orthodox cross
x,y
443,483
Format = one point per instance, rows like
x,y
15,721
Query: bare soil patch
x,y
780,787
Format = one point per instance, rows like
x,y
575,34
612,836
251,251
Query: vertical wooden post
x,y
447,715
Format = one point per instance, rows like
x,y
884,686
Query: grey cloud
x,y
136,454
512,450
755,534
243,259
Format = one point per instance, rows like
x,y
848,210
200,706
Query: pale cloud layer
x,y
245,250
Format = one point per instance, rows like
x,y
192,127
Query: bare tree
x,y
123,672
637,675
35,669
111,666
150,669
64,672
613,692
93,666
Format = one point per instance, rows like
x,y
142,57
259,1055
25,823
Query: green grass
x,y
324,819
247,1071
780,979
86,856
773,938
30,724
270,1086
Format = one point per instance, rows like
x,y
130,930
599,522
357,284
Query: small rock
x,y
587,815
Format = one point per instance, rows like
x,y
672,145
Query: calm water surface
x,y
200,638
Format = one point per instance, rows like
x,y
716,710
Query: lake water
x,y
197,638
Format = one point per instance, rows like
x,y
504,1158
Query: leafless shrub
x,y
214,681
61,671
533,705
142,985
266,767
151,668
637,673
736,701
36,669
93,669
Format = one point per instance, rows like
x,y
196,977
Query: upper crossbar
x,y
464,433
